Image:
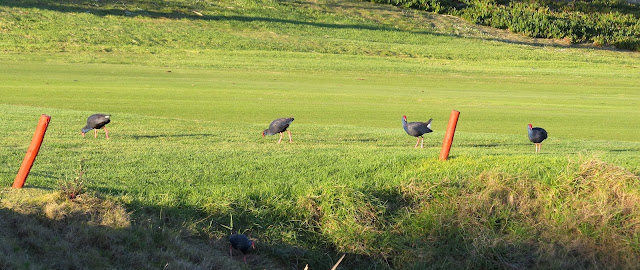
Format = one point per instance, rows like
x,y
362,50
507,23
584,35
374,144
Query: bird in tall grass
x,y
240,242
417,129
95,122
279,125
536,136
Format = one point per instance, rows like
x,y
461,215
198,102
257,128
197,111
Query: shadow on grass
x,y
138,137
51,236
207,232
624,150
187,12
183,11
413,226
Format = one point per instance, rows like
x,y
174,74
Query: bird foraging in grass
x,y
417,129
536,136
95,122
240,242
279,125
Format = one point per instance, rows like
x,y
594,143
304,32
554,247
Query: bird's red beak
x,y
404,117
263,134
253,244
530,126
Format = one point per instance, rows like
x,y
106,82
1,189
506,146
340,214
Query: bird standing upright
x,y
95,122
536,136
240,242
279,125
417,129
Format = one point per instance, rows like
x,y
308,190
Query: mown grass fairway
x,y
186,155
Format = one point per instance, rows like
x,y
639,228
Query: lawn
x,y
186,155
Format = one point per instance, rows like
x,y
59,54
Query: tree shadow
x,y
208,230
73,8
188,13
158,237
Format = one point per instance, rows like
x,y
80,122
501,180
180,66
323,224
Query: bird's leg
x,y
95,133
106,132
290,141
417,142
421,142
82,134
230,251
281,134
244,257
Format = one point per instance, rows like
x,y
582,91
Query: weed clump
x,y
71,189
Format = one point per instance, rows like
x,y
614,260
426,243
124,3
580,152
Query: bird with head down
x,y
279,125
95,122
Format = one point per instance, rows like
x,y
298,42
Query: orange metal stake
x,y
32,152
448,137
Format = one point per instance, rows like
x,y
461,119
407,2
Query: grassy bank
x,y
190,94
366,193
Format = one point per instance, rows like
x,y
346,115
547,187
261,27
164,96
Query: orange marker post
x,y
32,152
448,137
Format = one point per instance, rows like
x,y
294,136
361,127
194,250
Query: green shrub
x,y
603,22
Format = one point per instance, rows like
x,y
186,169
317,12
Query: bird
x,y
279,125
536,136
95,122
240,242
417,129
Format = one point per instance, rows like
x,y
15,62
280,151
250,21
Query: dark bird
x,y
536,136
417,129
279,125
95,122
240,242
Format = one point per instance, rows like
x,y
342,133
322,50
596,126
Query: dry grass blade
x,y
336,265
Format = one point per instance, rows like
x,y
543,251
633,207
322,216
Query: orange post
x,y
32,152
448,137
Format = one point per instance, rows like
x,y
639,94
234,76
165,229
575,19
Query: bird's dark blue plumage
x,y
95,122
279,125
536,136
240,242
416,129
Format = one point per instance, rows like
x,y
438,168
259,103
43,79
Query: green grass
x,y
568,103
190,97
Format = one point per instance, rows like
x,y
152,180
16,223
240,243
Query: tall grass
x,y
189,95
367,193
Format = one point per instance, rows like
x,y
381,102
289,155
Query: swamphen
x,y
240,242
536,136
279,125
95,122
417,129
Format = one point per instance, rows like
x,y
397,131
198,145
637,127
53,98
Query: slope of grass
x,y
190,94
362,192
